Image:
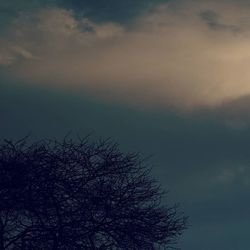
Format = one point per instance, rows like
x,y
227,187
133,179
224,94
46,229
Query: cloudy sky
x,y
167,78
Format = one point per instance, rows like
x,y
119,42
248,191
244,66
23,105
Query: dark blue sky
x,y
201,154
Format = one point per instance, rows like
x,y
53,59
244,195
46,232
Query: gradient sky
x,y
167,78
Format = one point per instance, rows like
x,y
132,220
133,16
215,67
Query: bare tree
x,y
81,195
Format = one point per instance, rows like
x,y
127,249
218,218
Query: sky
x,y
167,78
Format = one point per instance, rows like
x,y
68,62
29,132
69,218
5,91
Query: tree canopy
x,y
72,195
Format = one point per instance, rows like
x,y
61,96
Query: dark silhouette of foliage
x,y
80,195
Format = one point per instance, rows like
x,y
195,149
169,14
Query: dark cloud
x,y
212,20
9,10
110,10
203,163
188,52
235,112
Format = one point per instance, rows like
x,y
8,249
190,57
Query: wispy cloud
x,y
233,175
187,56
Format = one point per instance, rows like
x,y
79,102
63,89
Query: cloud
x,y
238,175
14,53
189,55
212,19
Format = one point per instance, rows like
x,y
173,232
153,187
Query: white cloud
x,y
187,56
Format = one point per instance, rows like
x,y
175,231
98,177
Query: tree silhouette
x,y
81,195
